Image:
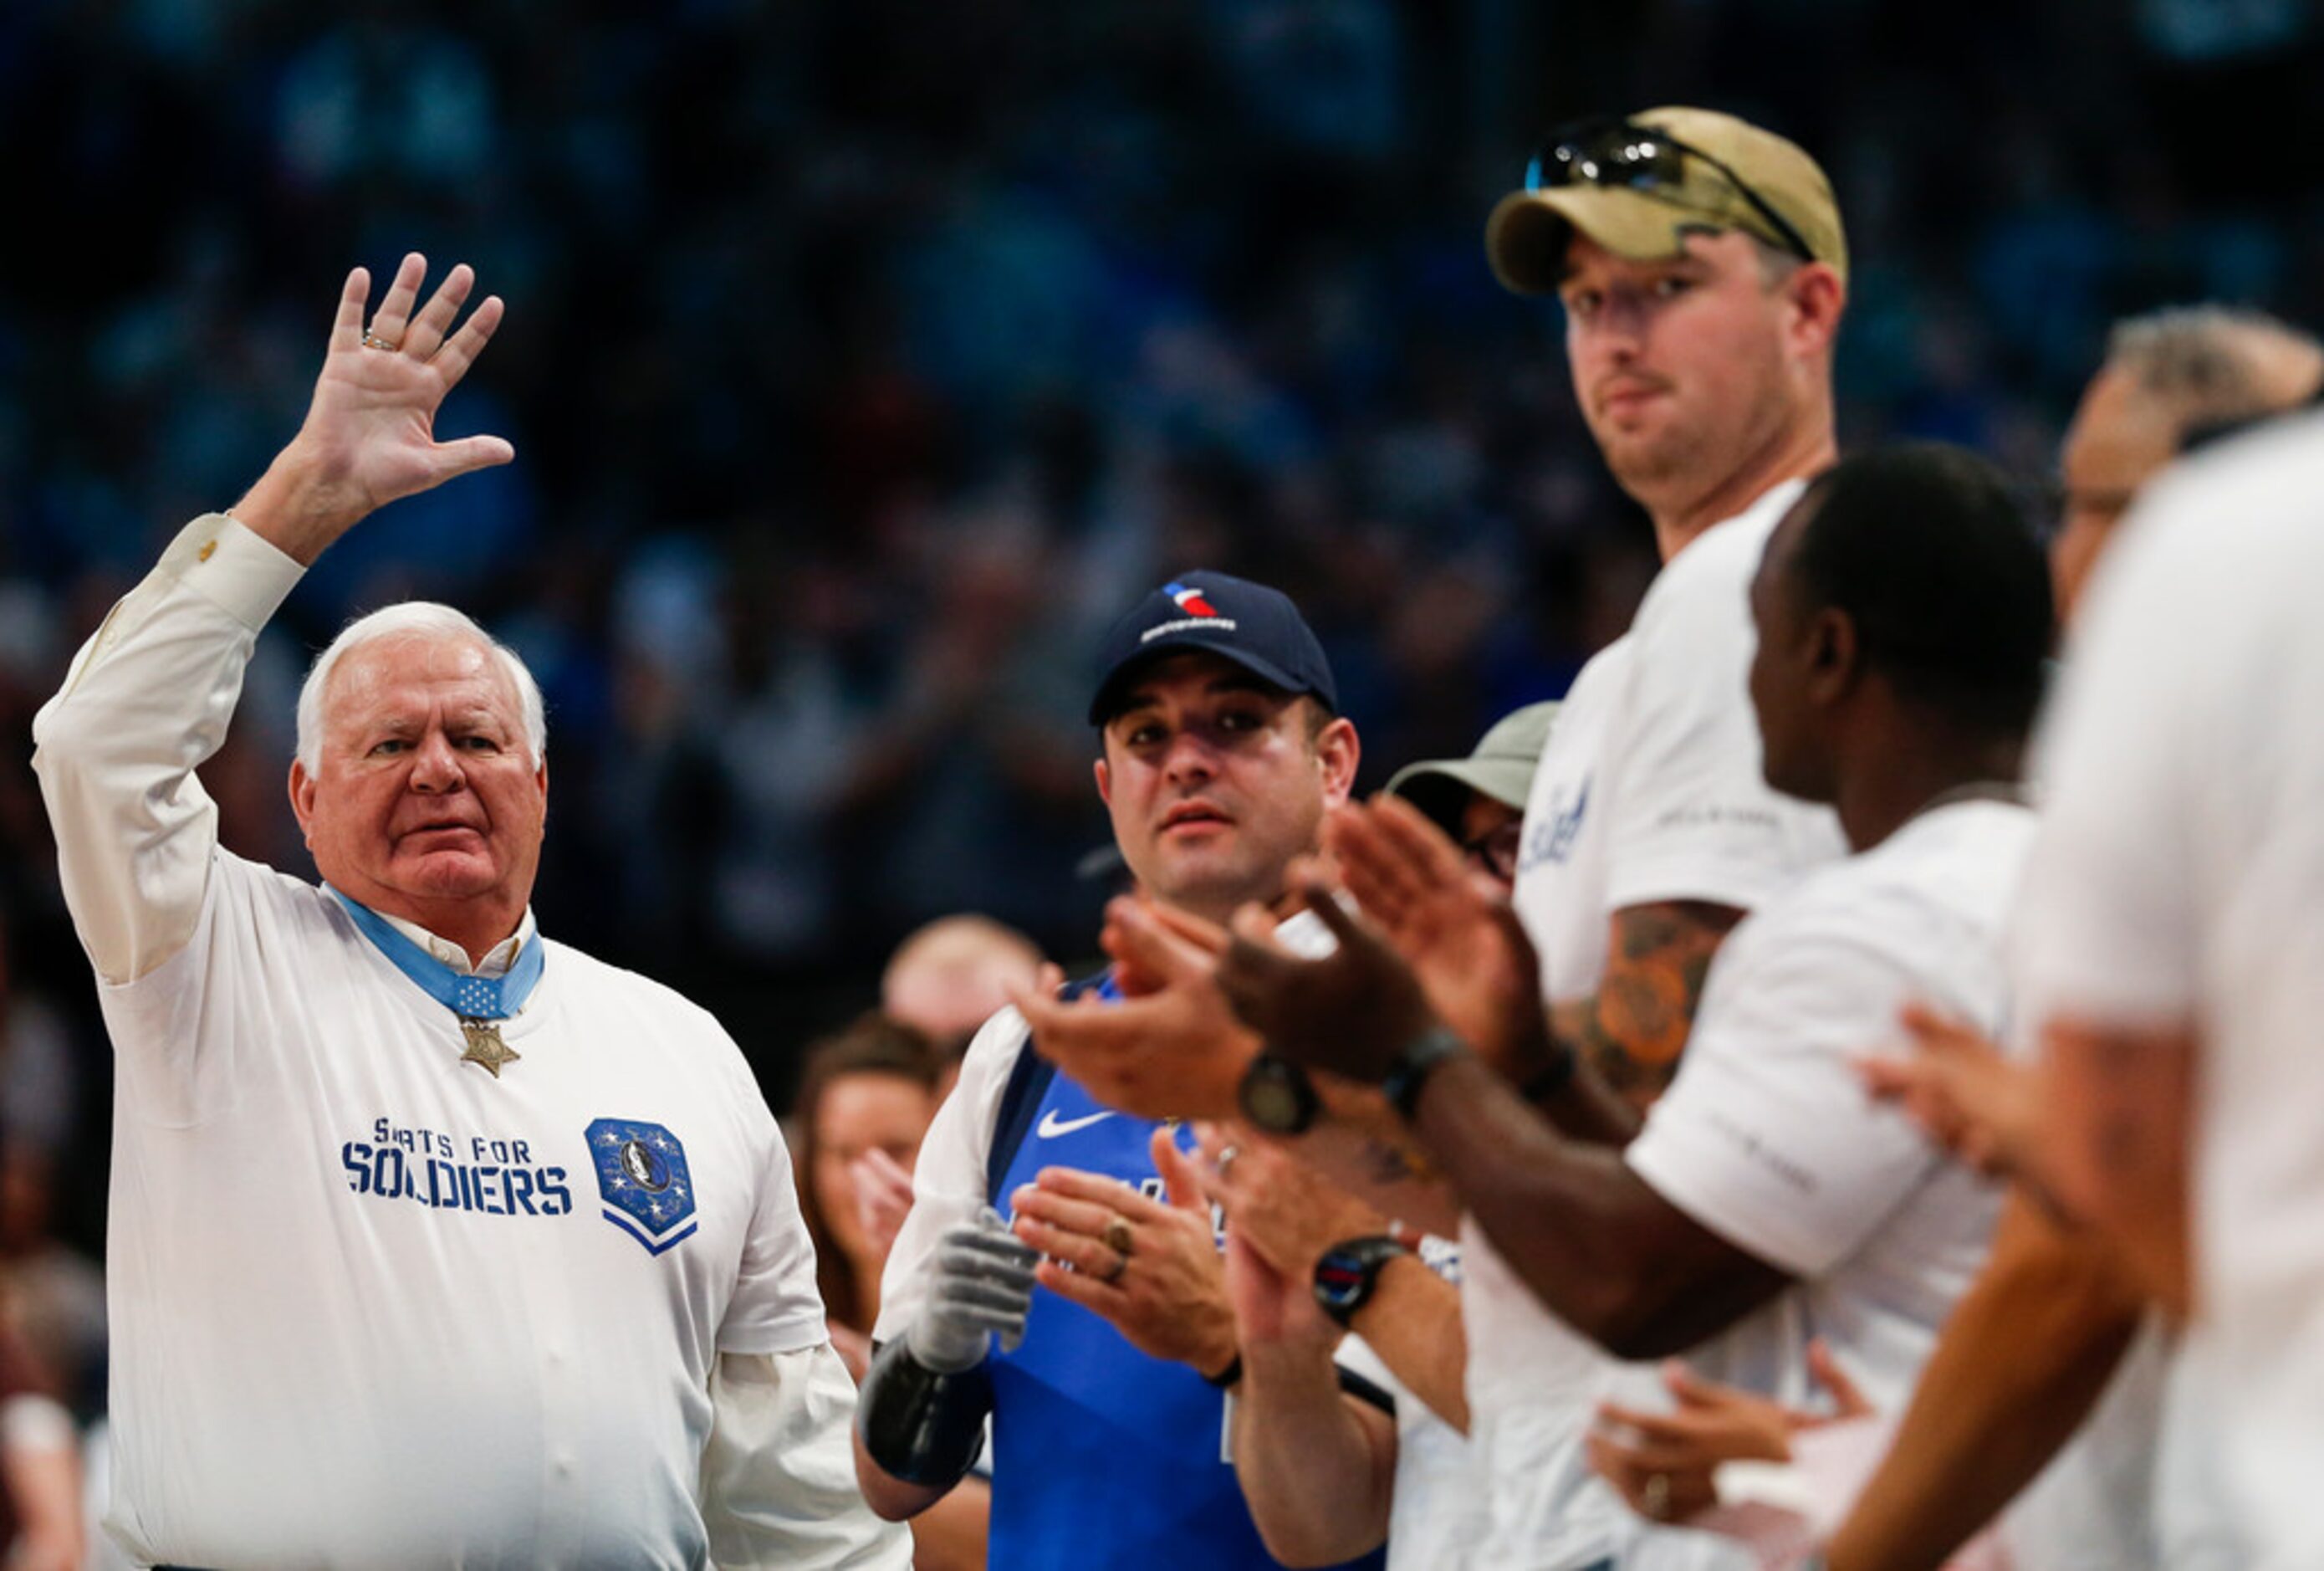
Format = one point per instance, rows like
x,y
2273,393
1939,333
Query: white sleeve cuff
x,y
1728,1193
779,1472
221,559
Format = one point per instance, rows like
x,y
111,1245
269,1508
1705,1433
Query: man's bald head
x,y
2169,379
952,974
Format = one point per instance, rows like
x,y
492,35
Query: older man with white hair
x,y
433,1242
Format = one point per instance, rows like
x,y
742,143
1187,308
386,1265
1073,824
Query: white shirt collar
x,y
497,959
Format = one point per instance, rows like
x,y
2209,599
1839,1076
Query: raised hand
x,y
1281,1214
1273,1307
370,433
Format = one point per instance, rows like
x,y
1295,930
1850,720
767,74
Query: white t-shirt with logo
x,y
2177,884
371,1305
475,1317
1649,789
1558,865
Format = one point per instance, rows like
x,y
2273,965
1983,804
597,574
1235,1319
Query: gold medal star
x,y
485,1047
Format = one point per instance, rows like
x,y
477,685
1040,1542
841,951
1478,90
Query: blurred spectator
x,y
951,976
1478,801
41,1516
945,327
864,1103
867,1092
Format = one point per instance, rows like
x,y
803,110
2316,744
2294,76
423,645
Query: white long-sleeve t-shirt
x,y
372,1304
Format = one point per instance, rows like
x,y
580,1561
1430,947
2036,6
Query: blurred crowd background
x,y
864,358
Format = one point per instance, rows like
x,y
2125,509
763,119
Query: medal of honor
x,y
480,1003
485,1047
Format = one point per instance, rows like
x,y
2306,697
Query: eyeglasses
x,y
1627,156
1497,849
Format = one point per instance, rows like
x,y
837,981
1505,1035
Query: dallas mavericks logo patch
x,y
1549,836
641,1177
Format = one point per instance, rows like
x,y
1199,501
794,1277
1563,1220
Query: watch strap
x,y
1410,1070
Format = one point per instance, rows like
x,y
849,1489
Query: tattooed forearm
x,y
1635,1030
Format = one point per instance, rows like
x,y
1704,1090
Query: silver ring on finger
x,y
1227,1155
374,341
1657,1496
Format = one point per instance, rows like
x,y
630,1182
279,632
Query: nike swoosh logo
x,y
1052,1126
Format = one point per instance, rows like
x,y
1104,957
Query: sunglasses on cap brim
x,y
1623,155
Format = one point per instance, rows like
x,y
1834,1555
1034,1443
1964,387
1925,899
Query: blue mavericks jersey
x,y
1103,1456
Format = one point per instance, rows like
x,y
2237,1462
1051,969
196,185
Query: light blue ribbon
x,y
469,997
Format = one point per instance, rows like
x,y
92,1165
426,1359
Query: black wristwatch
x,y
1410,1069
1276,1096
1347,1274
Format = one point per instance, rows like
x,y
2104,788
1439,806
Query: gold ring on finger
x,y
1117,1235
374,341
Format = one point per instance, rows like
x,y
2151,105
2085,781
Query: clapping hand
x,y
1151,1268
1281,1217
1169,1047
1284,1208
1961,1090
370,432
1351,1011
1664,1464
1451,926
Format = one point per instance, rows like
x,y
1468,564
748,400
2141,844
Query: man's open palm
x,y
1465,946
370,433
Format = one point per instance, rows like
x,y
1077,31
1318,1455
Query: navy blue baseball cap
x,y
1255,627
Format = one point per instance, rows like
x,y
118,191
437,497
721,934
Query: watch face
x,y
1271,1103
1346,1273
1340,1279
1276,1097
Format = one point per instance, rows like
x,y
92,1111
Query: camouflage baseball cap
x,y
1640,195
